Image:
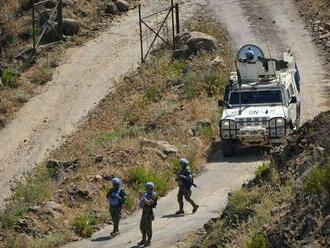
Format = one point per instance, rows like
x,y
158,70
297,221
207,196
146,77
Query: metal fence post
x,y
177,18
60,19
141,34
33,28
173,28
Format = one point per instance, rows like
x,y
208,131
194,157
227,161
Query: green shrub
x,y
152,94
319,180
84,224
116,135
12,213
258,241
9,78
262,169
241,200
138,176
36,189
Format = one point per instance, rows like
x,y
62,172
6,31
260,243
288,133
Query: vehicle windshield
x,y
256,97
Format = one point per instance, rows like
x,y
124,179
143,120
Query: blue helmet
x,y
250,55
150,185
183,161
116,181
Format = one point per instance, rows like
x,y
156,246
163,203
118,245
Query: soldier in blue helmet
x,y
185,181
148,202
116,198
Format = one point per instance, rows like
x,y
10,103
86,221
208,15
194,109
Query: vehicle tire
x,y
228,149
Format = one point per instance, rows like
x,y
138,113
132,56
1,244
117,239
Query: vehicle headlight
x,y
279,122
225,124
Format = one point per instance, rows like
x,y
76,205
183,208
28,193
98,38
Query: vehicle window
x,y
256,97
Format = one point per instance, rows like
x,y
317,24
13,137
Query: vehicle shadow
x,y
242,155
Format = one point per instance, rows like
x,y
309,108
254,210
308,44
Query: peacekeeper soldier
x,y
185,181
116,198
148,201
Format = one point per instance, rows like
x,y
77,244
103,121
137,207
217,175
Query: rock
x,y
200,41
75,191
44,16
327,26
98,159
70,27
2,119
327,45
98,177
25,4
111,8
203,124
35,209
324,36
218,61
326,226
53,206
52,3
163,146
182,54
122,5
196,141
308,226
51,34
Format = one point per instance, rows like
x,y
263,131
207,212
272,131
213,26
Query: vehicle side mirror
x,y
220,103
293,99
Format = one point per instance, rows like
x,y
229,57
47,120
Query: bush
x,y
84,224
152,94
319,180
258,241
138,176
116,135
36,189
13,212
242,200
9,78
262,169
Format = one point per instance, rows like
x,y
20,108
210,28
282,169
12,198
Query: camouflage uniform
x,y
185,181
115,211
147,215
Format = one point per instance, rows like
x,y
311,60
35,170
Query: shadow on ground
x,y
242,155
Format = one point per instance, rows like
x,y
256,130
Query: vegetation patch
x,y
137,133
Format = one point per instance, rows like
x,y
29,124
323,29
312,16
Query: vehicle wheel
x,y
228,149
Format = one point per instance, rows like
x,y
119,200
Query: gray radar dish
x,y
249,52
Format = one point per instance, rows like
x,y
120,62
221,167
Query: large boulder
x,y
161,145
70,26
111,8
189,43
122,5
53,3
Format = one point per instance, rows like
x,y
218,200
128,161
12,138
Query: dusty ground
x,y
43,123
282,26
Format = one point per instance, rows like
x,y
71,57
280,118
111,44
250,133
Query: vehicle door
x,y
293,101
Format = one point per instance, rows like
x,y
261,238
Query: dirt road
x,y
248,21
78,85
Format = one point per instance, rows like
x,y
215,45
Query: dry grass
x,y
16,34
145,104
320,9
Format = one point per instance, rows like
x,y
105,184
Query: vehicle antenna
x,y
239,79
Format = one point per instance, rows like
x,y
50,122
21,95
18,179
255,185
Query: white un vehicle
x,y
261,103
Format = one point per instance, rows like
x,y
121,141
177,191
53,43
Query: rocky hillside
x,y
165,110
287,205
317,15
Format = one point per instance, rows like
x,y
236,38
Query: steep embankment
x,y
287,205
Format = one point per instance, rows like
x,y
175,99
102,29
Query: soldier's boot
x,y
195,207
147,243
180,211
143,241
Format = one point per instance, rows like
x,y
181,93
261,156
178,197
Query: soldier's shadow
x,y
104,238
175,215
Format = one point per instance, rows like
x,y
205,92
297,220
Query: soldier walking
x,y
116,198
148,202
185,181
